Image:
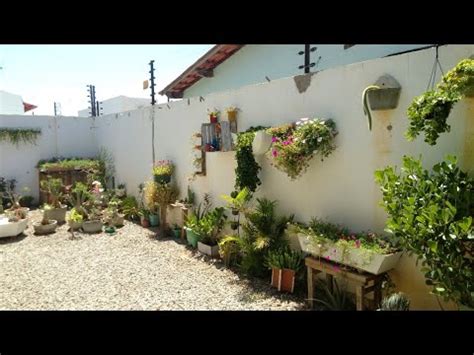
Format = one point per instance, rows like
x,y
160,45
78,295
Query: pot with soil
x,y
45,227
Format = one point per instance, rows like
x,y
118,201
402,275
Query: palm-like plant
x,y
54,188
237,201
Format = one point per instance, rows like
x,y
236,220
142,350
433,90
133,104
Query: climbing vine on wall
x,y
428,112
19,135
247,168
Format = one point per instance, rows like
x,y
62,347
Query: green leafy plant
x,y
27,201
237,201
293,146
75,216
395,302
247,168
130,208
54,188
19,135
284,258
431,215
332,298
263,230
229,249
163,167
428,113
209,226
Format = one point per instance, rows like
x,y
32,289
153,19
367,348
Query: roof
x,y
28,107
203,67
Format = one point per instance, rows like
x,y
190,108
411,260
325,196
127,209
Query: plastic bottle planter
x,y
154,220
191,237
162,179
383,95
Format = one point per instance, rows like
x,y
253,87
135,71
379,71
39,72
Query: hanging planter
x,y
261,143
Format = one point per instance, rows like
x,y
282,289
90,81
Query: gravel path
x,y
130,270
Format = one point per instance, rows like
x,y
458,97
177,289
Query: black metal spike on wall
x,y
152,82
307,58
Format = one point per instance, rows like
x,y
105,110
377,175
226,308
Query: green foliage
x,y
395,302
295,145
163,167
54,188
262,231
130,208
229,249
431,215
335,299
69,163
208,227
247,168
238,200
19,135
75,216
428,112
284,258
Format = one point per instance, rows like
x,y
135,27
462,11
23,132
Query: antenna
x,y
92,101
57,109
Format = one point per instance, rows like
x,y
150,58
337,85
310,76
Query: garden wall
x,y
342,188
60,136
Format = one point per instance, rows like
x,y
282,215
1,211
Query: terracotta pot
x,y
276,273
144,222
287,282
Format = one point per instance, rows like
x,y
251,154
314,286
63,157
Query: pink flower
x,y
274,153
274,139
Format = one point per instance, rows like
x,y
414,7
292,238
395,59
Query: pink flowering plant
x,y
294,145
163,167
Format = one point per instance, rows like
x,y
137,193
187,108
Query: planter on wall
x,y
212,251
12,229
361,259
261,143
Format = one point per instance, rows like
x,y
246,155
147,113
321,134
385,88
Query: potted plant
x,y
129,207
120,191
54,189
208,229
144,217
93,222
213,115
176,231
75,219
112,215
395,302
154,216
285,264
237,201
162,171
229,249
14,221
46,226
191,224
364,251
232,113
27,201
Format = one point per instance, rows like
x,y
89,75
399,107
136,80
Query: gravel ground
x,y
130,270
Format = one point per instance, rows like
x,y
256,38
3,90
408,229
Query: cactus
x,y
395,302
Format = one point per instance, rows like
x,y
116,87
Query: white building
x,y
12,104
118,104
229,66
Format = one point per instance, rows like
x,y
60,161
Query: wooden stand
x,y
365,282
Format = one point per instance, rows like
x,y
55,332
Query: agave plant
x,y
395,302
332,299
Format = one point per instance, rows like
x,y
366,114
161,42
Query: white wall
x,y
11,104
60,136
118,104
341,188
252,63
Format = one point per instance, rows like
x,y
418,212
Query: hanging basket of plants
x,y
294,145
162,171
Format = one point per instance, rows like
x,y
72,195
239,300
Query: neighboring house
x,y
118,104
227,66
11,104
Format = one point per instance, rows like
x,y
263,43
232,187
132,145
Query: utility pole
x,y
152,82
307,60
57,108
93,105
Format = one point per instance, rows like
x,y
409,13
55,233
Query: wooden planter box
x,y
67,176
360,259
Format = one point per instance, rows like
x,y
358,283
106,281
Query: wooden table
x,y
365,282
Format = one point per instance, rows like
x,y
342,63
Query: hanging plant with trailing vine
x,y
294,145
247,168
428,113
19,135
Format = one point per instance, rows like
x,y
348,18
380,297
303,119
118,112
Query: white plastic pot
x,y
261,143
11,229
361,259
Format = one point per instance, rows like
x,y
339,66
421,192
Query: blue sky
x,y
42,74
